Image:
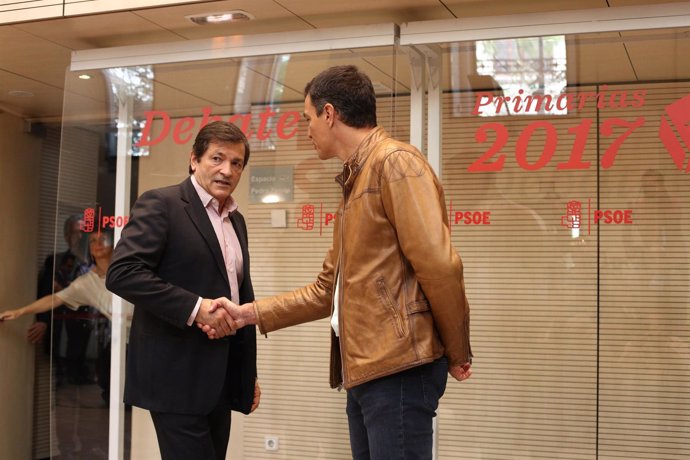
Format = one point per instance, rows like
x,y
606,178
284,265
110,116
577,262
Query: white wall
x,y
19,173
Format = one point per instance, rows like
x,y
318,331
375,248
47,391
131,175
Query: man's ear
x,y
192,163
330,113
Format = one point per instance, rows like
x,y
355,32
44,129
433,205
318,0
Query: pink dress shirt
x,y
227,238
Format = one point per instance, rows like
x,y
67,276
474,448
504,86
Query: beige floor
x,y
81,424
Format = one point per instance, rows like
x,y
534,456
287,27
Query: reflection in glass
x,y
272,87
527,74
134,83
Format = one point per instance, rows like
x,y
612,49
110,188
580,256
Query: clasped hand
x,y
221,317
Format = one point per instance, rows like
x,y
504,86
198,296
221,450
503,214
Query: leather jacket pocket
x,y
387,301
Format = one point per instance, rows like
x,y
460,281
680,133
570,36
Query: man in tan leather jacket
x,y
391,282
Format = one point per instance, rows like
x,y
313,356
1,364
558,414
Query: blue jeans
x,y
391,418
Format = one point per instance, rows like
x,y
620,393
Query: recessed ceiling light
x,y
20,93
220,18
85,76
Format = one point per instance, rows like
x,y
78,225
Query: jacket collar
x,y
353,165
199,218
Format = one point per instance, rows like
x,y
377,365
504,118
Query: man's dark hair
x,y
219,131
67,227
349,91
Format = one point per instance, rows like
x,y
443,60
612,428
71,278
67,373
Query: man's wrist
x,y
252,313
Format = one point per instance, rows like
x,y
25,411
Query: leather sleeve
x,y
414,203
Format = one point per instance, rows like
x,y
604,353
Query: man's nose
x,y
226,168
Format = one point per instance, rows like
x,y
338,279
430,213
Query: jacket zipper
x,y
340,296
388,302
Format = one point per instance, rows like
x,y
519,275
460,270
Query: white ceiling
x,y
34,56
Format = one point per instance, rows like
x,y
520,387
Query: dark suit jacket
x,y
168,257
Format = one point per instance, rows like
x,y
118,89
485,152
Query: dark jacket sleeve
x,y
133,273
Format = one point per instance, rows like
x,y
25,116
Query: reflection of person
x,y
656,260
87,289
58,272
392,282
183,246
657,212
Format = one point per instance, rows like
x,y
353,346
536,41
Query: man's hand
x,y
36,331
242,315
461,372
257,397
216,319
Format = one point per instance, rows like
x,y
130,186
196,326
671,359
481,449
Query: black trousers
x,y
193,437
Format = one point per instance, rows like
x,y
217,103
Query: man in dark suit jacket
x,y
183,246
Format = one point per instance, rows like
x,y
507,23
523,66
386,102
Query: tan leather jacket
x,y
402,295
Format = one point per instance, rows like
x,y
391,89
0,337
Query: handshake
x,y
221,317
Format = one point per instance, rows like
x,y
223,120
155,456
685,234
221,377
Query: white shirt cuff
x,y
192,317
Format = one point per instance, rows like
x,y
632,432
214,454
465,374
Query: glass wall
x,y
564,160
287,196
81,380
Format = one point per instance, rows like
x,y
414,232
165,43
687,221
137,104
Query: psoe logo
x,y
575,219
573,215
95,221
308,219
467,217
